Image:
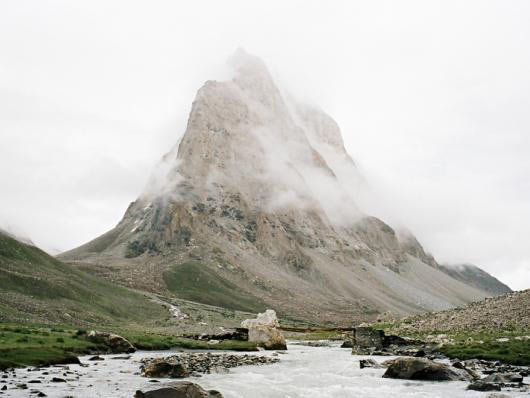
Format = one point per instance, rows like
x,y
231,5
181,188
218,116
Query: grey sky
x,y
433,99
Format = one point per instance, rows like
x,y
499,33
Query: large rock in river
x,y
183,389
115,343
162,368
423,369
263,331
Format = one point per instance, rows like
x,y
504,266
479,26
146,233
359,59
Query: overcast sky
x,y
433,99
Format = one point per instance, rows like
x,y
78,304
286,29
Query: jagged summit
x,y
257,203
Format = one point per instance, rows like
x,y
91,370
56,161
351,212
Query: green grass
x,y
514,352
33,345
36,286
196,282
40,345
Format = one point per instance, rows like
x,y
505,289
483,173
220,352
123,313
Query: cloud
x,y
431,97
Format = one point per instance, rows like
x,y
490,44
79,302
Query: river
x,y
319,372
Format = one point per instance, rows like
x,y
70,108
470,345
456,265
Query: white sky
x,y
433,98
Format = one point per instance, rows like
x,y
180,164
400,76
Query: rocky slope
x,y
474,276
505,312
256,207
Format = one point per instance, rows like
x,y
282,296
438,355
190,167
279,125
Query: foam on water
x,y
321,372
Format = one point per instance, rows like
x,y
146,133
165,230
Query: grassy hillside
x,y
36,287
194,281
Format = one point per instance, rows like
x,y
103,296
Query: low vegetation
x,y
515,352
196,282
35,345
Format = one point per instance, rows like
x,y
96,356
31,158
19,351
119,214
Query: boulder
x,y
263,331
115,343
163,368
369,363
483,386
423,369
183,389
267,337
267,318
347,344
503,378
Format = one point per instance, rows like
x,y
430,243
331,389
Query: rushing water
x,y
316,372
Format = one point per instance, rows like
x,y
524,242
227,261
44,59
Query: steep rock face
x,y
474,276
260,193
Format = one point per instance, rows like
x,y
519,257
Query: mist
x,y
433,109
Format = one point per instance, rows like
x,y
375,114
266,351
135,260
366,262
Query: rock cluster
x,y
190,364
368,341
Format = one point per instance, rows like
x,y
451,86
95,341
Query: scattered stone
x,y
183,389
58,380
369,363
125,357
423,369
96,358
115,343
198,363
483,386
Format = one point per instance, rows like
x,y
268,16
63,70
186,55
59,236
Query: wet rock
x,y
483,386
347,344
369,363
184,389
115,343
423,369
163,368
96,358
503,378
58,380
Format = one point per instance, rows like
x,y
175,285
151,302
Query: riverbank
x,y
41,345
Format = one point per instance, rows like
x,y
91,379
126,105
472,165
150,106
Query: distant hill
x,y
37,287
474,276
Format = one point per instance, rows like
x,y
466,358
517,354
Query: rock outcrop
x,y
263,331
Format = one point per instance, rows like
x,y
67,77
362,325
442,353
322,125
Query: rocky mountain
x,y
474,276
256,207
